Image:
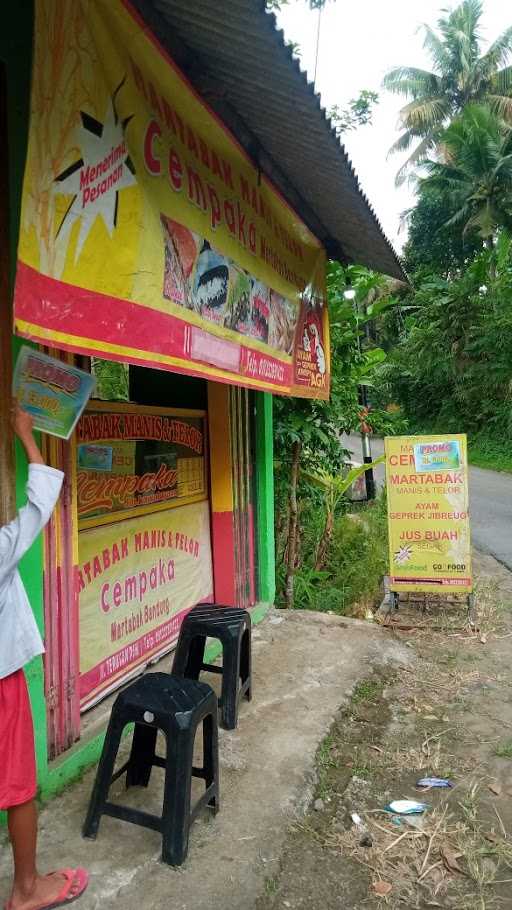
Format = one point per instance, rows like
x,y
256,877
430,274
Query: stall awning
x,y
235,56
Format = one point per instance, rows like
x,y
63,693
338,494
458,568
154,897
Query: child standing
x,y
19,643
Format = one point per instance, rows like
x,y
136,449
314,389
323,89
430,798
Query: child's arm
x,y
43,488
23,427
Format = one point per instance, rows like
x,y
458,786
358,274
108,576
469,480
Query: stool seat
x,y
165,696
232,627
158,701
206,616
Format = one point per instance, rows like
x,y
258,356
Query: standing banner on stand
x,y
147,233
428,513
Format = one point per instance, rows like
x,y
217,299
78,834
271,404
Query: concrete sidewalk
x,y
305,666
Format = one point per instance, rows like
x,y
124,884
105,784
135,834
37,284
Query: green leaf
x,y
373,357
381,306
339,483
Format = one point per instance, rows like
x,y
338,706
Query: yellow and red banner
x,y
147,233
428,513
136,581
135,459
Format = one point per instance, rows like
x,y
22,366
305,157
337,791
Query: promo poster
x,y
52,391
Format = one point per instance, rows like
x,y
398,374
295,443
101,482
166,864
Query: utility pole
x,y
366,446
365,435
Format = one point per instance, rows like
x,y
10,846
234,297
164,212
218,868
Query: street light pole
x,y
366,447
369,479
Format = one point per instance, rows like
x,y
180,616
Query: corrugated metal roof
x,y
236,58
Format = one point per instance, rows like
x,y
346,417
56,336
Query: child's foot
x,y
53,890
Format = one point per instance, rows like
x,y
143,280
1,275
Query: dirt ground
x,y
425,696
450,716
303,666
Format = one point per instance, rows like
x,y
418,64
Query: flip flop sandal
x,y
73,888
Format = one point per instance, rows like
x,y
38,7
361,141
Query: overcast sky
x,y
359,42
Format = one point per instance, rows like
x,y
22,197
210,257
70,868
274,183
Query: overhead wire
x,y
317,43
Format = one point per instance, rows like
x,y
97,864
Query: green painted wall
x,y
15,54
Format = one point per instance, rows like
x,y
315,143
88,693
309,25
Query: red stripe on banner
x,y
80,314
131,655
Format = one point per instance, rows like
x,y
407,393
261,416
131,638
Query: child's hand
x,y
23,425
22,422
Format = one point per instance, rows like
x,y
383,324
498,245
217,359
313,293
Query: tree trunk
x,y
292,535
282,522
298,536
325,540
489,243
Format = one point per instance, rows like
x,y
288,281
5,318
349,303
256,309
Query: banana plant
x,y
334,487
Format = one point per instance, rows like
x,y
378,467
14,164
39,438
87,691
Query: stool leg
x,y
189,656
142,756
230,683
179,664
176,809
103,778
246,662
195,657
211,758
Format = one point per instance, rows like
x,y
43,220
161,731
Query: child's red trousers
x,y
17,757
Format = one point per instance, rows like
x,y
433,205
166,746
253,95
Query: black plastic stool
x,y
156,702
232,627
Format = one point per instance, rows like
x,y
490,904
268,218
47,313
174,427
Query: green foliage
x,y
317,425
271,885
486,452
449,343
295,48
475,179
504,750
452,369
309,583
274,6
335,486
368,690
356,560
307,433
112,379
431,246
460,75
359,112
326,759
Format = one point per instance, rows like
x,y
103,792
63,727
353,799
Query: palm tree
x,y
460,75
475,176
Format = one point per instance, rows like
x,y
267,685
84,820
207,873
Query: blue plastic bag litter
x,y
427,782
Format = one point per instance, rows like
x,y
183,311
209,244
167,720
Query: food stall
x,y
159,248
